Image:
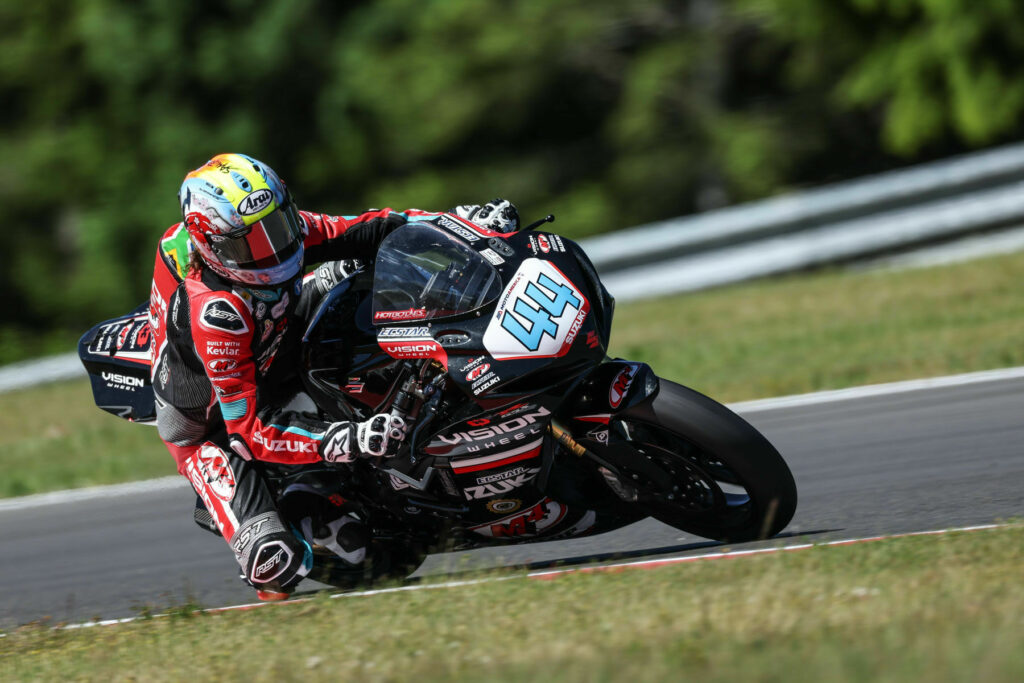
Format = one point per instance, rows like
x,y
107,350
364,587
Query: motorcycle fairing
x,y
116,356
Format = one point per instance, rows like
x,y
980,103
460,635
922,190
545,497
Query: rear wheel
x,y
694,464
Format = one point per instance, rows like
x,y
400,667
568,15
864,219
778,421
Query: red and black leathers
x,y
224,368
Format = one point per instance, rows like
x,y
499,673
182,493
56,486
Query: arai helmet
x,y
242,220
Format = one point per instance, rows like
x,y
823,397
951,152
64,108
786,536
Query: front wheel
x,y
692,463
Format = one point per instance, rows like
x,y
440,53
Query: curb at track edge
x,y
548,574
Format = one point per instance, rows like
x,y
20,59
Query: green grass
x,y
54,437
832,330
790,335
945,608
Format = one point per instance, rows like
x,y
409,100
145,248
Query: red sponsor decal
x,y
542,242
222,364
122,336
541,516
415,348
407,314
477,372
592,340
143,339
217,473
620,386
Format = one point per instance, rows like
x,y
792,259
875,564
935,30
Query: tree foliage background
x,y
607,113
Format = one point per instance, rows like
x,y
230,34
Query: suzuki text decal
x,y
539,314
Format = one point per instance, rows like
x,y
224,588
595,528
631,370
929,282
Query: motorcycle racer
x,y
225,307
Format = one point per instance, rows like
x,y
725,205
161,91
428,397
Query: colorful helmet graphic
x,y
242,220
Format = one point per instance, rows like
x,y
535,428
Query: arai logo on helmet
x,y
255,202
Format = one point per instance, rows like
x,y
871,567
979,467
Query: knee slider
x,y
271,556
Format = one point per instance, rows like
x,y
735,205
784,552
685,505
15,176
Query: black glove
x,y
499,215
379,436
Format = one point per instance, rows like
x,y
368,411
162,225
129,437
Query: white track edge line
x,y
871,390
544,573
94,492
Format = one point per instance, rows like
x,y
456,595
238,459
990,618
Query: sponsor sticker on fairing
x,y
403,332
620,386
599,434
414,342
539,314
477,371
521,426
504,506
453,226
501,483
542,516
407,314
492,257
484,383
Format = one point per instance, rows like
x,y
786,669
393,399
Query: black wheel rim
x,y
695,487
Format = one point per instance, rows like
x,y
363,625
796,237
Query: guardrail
x,y
798,211
890,212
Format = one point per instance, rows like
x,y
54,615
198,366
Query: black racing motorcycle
x,y
494,348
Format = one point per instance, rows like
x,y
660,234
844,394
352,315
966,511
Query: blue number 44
x,y
542,318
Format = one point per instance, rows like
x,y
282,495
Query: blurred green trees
x,y
607,113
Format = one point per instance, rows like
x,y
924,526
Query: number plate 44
x,y
539,315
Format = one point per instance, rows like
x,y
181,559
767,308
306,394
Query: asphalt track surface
x,y
921,460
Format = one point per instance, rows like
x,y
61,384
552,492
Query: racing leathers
x,y
223,370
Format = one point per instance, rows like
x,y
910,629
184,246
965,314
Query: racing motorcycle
x,y
493,347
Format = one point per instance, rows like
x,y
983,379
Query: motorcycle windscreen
x,y
421,273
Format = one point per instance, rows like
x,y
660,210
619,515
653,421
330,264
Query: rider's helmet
x,y
242,220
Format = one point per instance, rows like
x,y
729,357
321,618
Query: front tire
x,y
701,468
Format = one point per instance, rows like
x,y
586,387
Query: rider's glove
x,y
499,215
379,436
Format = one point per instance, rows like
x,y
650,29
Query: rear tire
x,y
713,474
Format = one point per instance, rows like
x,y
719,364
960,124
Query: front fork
x,y
611,389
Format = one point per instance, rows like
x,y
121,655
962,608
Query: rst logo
x,y
538,316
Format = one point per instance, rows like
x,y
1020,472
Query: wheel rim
x,y
678,480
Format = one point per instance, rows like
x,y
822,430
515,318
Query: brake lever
x,y
550,218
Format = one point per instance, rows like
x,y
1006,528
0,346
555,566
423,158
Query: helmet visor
x,y
264,244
